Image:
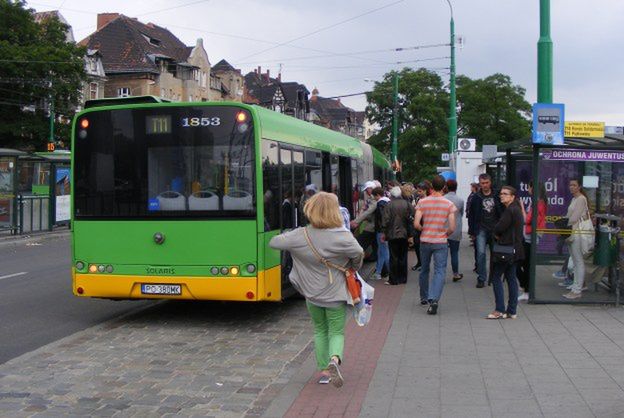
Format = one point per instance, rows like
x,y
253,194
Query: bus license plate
x,y
161,289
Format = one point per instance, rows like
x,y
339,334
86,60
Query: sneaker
x,y
433,308
424,302
559,275
510,316
334,374
572,295
458,277
376,276
566,283
480,285
523,296
324,379
416,267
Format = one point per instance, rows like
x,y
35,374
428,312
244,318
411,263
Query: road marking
x,y
8,276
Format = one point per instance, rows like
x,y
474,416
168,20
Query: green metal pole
x,y
453,104
51,137
545,56
395,118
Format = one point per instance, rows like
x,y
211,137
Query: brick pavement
x,y
363,346
232,360
180,358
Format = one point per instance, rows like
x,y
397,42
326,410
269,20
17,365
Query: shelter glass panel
x,y
579,263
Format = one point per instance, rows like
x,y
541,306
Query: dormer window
x,y
152,41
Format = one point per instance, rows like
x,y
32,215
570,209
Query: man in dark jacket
x,y
485,211
396,218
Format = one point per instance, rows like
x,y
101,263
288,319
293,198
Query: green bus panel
x,y
199,243
271,256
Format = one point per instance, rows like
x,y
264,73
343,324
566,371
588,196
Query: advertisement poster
x,y
6,191
62,190
555,176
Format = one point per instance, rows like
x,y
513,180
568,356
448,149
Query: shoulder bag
x,y
505,254
353,286
584,230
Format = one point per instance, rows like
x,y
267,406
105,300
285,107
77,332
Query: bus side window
x,y
271,192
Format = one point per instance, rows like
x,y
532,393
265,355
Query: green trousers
x,y
329,326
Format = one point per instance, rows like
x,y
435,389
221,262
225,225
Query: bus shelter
x,y
598,165
43,191
8,188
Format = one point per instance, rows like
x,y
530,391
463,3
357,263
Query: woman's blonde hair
x,y
323,211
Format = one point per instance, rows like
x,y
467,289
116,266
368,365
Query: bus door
x,y
292,187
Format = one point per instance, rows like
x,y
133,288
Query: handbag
x,y
354,287
503,254
584,230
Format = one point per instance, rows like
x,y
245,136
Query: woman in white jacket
x,y
577,211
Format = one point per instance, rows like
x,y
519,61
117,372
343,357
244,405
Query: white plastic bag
x,y
362,311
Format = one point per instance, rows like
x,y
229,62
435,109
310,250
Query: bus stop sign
x,y
548,123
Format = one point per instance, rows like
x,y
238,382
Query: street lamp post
x,y
453,102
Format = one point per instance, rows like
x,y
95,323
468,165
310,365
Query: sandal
x,y
495,315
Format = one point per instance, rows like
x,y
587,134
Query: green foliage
x,y
421,119
493,110
37,67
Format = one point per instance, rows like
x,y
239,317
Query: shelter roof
x,y
609,140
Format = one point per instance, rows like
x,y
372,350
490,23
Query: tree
x,y
39,68
421,119
492,109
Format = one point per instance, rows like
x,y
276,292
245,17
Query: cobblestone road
x,y
178,358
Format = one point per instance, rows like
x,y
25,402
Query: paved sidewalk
x,y
553,361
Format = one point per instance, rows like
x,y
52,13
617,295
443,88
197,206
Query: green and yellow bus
x,y
180,200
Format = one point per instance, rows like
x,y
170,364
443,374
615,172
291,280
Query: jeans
x,y
579,265
398,260
329,326
509,271
368,239
383,255
484,238
454,250
439,252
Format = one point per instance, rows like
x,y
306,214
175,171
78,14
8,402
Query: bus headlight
x,y
225,270
234,270
80,265
251,268
214,271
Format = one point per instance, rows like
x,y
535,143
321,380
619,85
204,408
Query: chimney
x,y
279,77
104,18
259,70
268,77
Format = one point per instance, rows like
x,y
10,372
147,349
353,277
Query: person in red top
x,y
438,222
524,272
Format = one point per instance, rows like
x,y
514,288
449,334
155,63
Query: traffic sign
x,y
548,123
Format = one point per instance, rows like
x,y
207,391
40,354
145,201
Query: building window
x,y
93,90
123,92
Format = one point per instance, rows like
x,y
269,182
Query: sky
x,y
335,46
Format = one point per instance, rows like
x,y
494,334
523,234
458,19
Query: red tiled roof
x,y
126,45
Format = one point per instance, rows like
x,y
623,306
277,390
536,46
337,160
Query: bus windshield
x,y
171,162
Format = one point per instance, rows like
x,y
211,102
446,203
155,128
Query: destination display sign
x,y
584,129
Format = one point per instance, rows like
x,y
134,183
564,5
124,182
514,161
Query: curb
x,y
14,240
